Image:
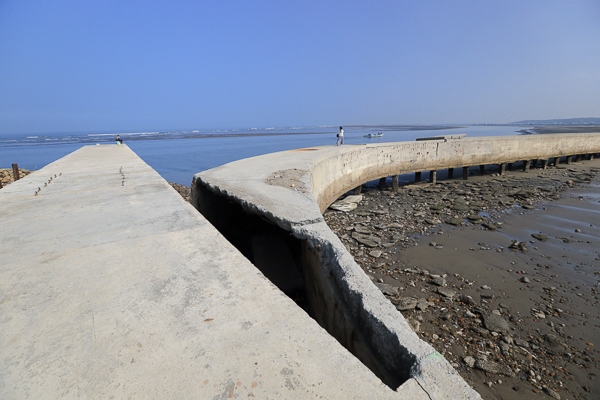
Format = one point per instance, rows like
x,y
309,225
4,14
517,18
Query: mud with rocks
x,y
499,273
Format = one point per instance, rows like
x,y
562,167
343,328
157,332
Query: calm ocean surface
x,y
177,156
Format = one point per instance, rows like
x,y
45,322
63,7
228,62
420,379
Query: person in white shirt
x,y
340,137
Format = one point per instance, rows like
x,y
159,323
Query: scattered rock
x,y
438,280
495,323
454,221
489,226
540,236
552,393
414,324
446,292
375,253
406,303
470,361
422,304
388,289
343,206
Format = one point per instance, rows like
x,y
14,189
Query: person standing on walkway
x,y
340,136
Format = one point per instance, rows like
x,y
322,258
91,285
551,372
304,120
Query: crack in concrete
x,y
308,222
421,386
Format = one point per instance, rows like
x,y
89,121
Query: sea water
x,y
177,156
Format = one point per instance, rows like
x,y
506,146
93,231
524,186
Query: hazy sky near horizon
x,y
177,65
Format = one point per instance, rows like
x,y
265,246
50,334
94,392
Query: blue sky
x,y
176,65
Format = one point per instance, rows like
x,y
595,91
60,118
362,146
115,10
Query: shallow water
x,y
177,156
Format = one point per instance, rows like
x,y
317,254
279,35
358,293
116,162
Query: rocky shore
x,y
7,177
498,273
184,191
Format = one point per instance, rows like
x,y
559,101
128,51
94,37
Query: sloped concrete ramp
x,y
111,286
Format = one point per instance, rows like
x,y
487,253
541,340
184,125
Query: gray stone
x,y
488,366
552,393
343,206
521,343
422,304
489,226
525,279
470,361
495,323
406,303
551,339
466,299
414,324
492,367
388,289
375,253
454,221
540,236
438,280
362,229
446,292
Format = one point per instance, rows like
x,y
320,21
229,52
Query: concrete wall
x,y
335,173
344,300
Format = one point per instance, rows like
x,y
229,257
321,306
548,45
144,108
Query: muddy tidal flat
x,y
500,273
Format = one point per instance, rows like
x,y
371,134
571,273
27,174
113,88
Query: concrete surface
x,y
262,185
111,286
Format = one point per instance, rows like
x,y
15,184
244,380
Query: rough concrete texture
x,y
112,286
333,170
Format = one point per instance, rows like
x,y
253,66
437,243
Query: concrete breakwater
x,y
112,286
258,202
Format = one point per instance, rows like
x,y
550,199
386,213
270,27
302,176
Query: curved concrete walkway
x,y
111,286
292,188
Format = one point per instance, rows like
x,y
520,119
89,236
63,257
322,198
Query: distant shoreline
x,y
565,129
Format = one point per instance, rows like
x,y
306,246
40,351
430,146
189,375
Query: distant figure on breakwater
x,y
340,137
119,140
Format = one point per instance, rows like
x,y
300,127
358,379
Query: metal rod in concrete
x,y
450,173
482,169
502,168
382,183
433,176
465,173
395,185
417,177
15,168
357,189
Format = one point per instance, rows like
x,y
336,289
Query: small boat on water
x,y
373,135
